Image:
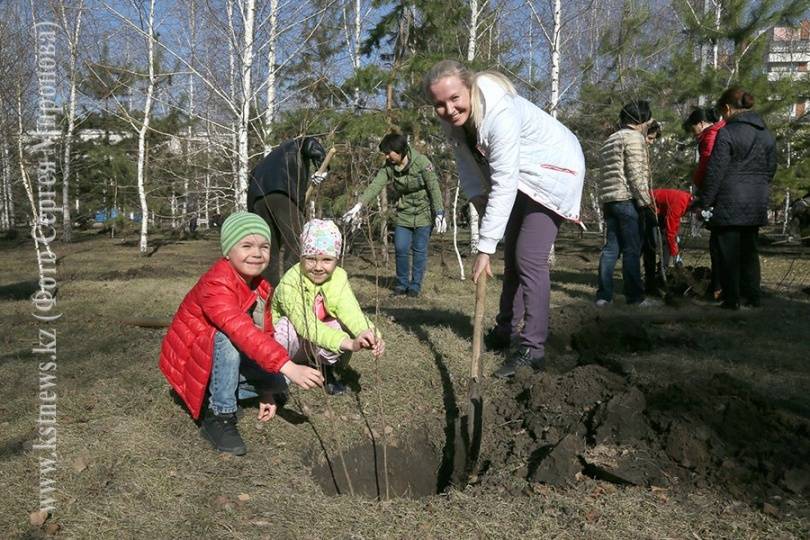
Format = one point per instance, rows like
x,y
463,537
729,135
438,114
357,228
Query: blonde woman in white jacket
x,y
525,170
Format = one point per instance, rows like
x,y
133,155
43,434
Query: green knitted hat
x,y
239,225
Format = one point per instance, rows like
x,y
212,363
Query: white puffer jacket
x,y
525,149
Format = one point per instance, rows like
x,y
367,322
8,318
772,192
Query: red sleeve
x,y
677,204
705,146
220,303
673,223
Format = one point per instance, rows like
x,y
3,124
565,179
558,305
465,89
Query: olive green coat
x,y
419,196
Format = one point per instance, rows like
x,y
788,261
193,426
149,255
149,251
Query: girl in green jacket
x,y
315,313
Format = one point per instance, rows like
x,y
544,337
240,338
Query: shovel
x,y
475,402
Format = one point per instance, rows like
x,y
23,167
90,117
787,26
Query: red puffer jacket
x,y
219,301
705,146
672,204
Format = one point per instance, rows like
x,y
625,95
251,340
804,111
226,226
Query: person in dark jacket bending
x,y
735,192
277,190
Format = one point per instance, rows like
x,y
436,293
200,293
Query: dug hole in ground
x,y
683,421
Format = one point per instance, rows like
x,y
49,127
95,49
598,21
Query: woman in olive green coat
x,y
419,208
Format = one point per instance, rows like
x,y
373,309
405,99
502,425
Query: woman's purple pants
x,y
526,295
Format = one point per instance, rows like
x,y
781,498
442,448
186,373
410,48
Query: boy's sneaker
x,y
399,291
220,430
521,357
496,341
650,303
333,386
412,293
602,302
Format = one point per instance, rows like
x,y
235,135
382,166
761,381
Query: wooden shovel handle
x,y
478,323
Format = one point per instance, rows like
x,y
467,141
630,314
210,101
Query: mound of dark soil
x,y
594,422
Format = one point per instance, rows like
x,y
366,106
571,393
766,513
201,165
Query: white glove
x,y
706,214
440,224
350,217
318,177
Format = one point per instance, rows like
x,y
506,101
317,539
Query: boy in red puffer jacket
x,y
671,205
220,346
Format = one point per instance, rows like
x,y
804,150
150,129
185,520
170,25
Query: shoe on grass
x,y
332,385
602,302
220,430
413,293
520,358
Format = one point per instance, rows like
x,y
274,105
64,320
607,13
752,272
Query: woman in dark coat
x,y
735,191
277,191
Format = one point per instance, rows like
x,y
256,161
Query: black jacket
x,y
739,173
285,170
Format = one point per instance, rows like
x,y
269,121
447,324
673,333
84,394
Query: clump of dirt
x,y
689,280
594,422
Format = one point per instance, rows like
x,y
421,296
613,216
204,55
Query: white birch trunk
x,y
473,30
353,43
246,66
555,59
358,28
36,230
207,192
4,214
232,91
147,109
269,111
8,190
73,45
475,220
471,47
455,230
718,10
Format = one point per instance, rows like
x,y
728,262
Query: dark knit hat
x,y
239,225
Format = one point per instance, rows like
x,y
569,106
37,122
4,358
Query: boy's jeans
x,y
235,376
407,240
623,237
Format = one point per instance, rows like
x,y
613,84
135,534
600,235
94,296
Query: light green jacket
x,y
294,298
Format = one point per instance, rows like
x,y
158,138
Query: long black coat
x,y
739,173
285,170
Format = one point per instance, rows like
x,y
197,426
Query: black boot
x,y
522,357
220,430
333,386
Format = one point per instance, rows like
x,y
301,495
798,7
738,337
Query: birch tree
x,y
72,38
475,11
147,111
247,9
270,103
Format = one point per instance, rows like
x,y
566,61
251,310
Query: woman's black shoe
x,y
522,357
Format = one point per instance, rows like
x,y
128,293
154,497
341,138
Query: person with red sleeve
x,y
703,124
671,205
220,346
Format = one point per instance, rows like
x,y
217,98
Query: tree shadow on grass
x,y
21,290
413,320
